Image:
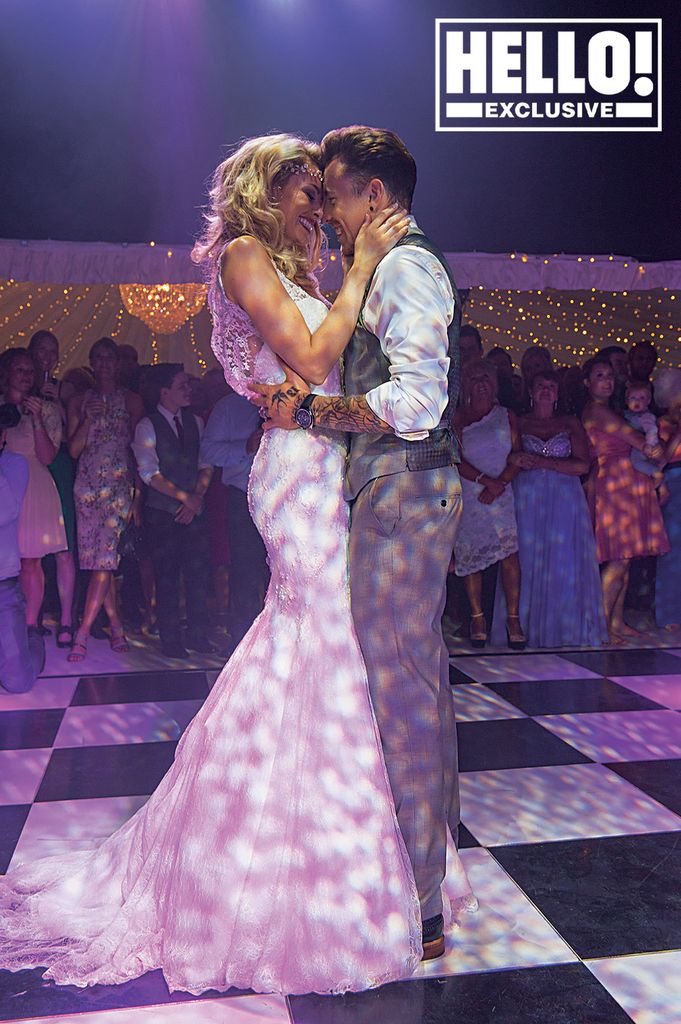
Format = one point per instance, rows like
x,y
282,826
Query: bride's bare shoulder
x,y
244,260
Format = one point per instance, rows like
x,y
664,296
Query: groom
x,y
401,379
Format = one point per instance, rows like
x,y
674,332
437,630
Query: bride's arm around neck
x,y
249,278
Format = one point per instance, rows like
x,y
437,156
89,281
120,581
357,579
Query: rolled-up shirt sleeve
x,y
144,449
409,308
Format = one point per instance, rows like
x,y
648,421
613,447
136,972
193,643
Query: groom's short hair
x,y
368,153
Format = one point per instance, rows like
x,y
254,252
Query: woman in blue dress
x,y
561,602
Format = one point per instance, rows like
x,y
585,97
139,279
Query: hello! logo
x,y
554,74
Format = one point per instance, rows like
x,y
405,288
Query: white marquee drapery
x,y
572,303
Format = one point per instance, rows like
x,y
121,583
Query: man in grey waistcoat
x,y
167,451
401,386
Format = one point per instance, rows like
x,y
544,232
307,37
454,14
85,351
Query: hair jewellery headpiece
x,y
298,167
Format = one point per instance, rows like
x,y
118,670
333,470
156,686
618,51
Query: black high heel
x,y
517,640
67,631
479,637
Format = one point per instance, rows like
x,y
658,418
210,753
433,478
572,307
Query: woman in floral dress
x,y
101,424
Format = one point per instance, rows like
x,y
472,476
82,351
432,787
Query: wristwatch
x,y
303,415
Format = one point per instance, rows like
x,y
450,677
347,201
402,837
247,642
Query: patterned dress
x,y
104,484
626,513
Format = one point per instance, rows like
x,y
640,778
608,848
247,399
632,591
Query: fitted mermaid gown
x,y
269,856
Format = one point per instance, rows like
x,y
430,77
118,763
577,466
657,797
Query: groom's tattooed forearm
x,y
353,414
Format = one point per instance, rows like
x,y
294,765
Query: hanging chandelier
x,y
164,308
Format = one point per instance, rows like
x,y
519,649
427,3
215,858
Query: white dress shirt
x,y
409,308
144,443
229,427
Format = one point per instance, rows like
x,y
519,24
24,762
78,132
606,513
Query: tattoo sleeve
x,y
352,413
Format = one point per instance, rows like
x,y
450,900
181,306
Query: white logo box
x,y
548,74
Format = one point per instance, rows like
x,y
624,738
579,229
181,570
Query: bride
x,y
269,856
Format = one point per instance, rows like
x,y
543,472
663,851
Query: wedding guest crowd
x,y
571,508
595,488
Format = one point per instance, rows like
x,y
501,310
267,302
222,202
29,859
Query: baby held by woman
x,y
638,396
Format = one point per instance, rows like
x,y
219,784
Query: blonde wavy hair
x,y
243,201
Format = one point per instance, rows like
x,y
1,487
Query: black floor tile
x,y
571,696
457,675
607,896
76,773
659,779
561,994
511,743
466,839
25,995
626,663
130,689
24,729
12,820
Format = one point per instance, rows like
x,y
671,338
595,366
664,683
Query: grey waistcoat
x,y
177,464
366,367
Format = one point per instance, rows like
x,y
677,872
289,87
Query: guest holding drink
x,y
37,437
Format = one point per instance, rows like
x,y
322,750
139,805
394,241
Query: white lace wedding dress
x,y
269,857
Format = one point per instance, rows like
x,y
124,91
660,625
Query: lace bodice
x,y
240,350
556,447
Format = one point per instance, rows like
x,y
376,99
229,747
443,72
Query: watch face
x,y
304,418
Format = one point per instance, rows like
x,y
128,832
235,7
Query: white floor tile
x,y
475,703
620,735
21,772
268,1009
46,693
505,668
104,724
507,930
647,985
144,655
533,805
665,690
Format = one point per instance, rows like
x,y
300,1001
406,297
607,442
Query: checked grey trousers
x,y
401,539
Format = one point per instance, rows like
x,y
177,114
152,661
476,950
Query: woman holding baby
x,y
625,508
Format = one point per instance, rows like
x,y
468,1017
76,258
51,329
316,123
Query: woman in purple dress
x,y
561,602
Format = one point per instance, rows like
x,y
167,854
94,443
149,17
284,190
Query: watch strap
x,y
307,402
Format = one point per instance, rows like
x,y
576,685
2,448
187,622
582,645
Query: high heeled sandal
x,y
78,651
515,638
118,642
478,638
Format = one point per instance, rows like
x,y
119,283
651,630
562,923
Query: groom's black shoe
x,y
433,937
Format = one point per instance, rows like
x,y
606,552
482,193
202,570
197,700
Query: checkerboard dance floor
x,y
571,836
